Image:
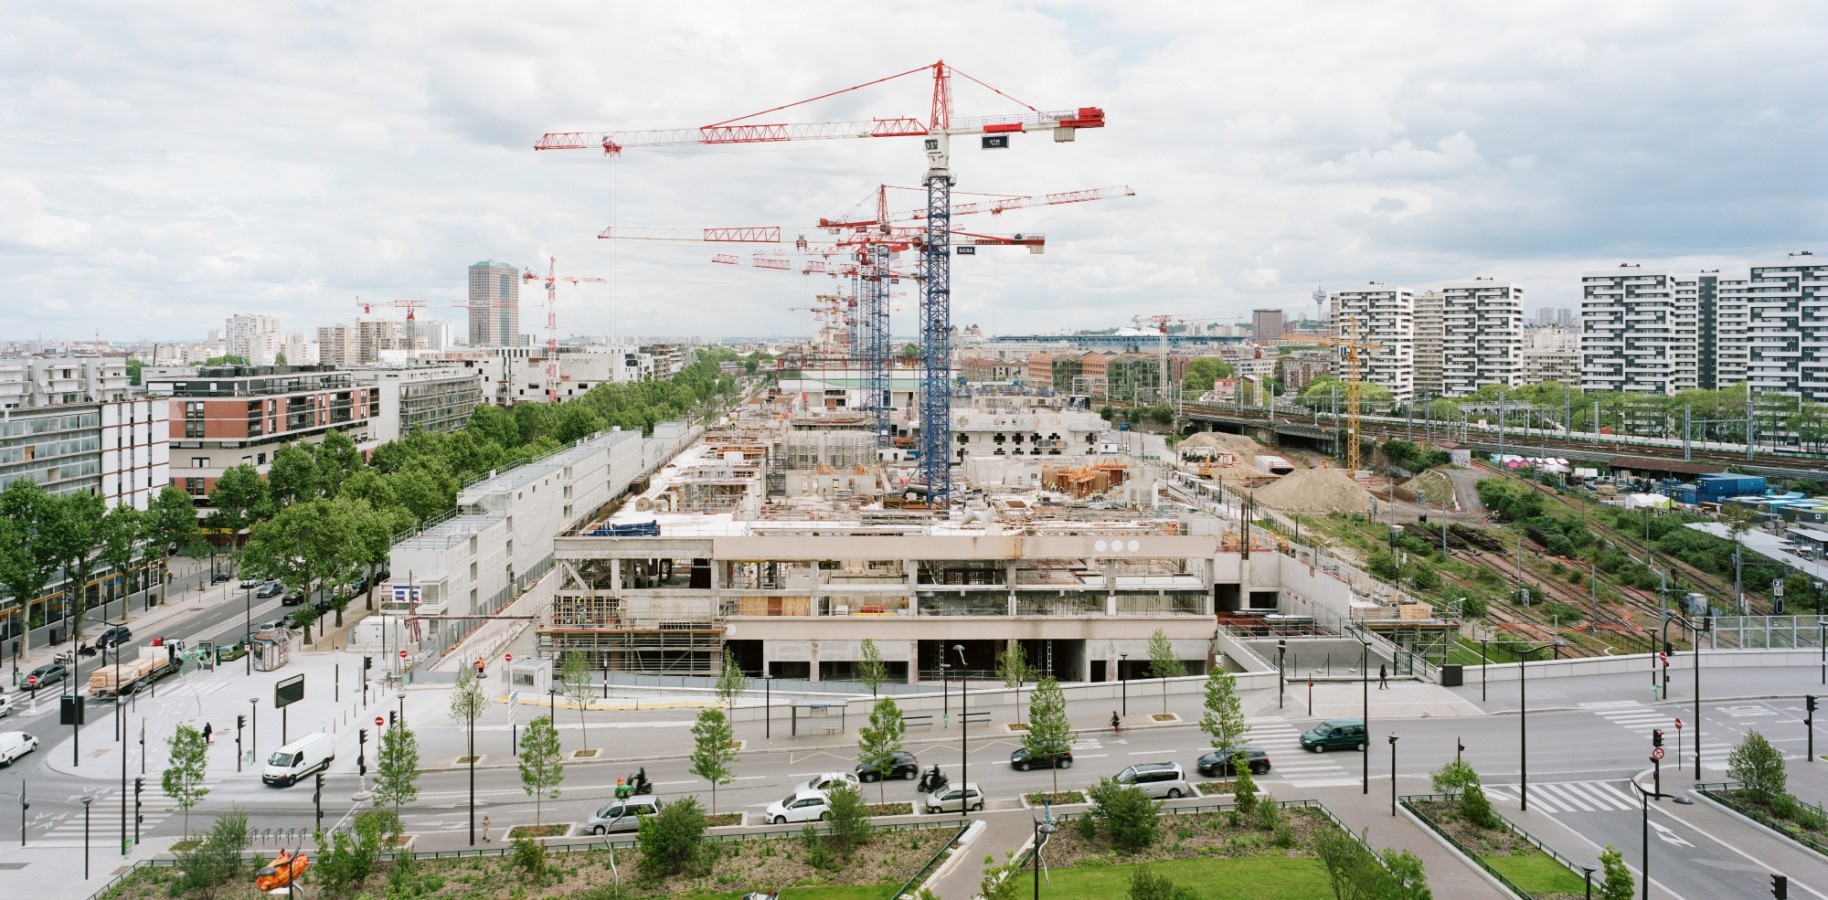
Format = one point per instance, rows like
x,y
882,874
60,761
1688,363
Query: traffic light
x,y
361,737
241,720
317,788
367,663
1780,887
1656,737
393,716
139,784
1669,649
1809,703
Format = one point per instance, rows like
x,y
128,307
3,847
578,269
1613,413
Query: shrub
x,y
817,855
1453,778
206,868
1244,789
850,821
529,855
1758,768
1146,885
1784,806
1126,814
671,840
1476,808
1269,813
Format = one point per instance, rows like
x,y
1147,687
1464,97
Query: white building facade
x,y
1481,335
1638,331
1384,316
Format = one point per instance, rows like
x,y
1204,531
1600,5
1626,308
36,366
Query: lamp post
x,y
1587,871
964,738
472,751
1392,775
1042,830
400,696
1364,678
945,691
86,802
1523,724
1484,673
253,727
1644,861
248,636
1123,684
1281,679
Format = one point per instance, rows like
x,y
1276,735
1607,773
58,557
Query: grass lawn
x,y
1536,873
832,892
1211,878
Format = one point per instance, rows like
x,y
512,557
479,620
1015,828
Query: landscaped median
x,y
1509,854
1760,792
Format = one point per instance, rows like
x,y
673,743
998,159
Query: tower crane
x,y
1001,204
412,325
552,279
1351,345
1161,323
935,130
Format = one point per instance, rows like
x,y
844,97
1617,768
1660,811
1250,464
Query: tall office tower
x,y
1385,316
494,305
1427,379
1637,331
253,338
1481,335
1784,330
1266,325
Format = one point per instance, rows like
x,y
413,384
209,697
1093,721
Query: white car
x,y
955,798
6,705
14,744
826,781
799,806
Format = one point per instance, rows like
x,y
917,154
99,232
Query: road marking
x,y
1668,836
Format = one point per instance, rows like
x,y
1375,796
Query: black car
x,y
1022,761
49,673
114,634
1218,763
270,590
902,766
220,577
293,598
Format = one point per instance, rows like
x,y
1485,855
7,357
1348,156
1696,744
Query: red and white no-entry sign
x,y
378,721
403,654
1678,724
509,657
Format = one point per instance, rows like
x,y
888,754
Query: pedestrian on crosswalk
x,y
485,828
207,731
1383,677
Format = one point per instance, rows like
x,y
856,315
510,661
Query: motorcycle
x,y
634,785
932,780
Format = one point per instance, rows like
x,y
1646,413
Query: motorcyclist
x,y
1116,723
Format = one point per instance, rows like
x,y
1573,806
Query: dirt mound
x,y
1316,491
1245,448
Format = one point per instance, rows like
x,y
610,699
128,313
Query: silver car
x,y
955,798
622,815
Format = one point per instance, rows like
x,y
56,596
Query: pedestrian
x,y
480,671
1383,677
207,732
485,828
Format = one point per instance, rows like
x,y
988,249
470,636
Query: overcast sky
x,y
165,165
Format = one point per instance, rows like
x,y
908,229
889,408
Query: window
x,y
199,462
472,571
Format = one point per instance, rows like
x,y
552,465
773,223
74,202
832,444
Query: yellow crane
x,y
1352,346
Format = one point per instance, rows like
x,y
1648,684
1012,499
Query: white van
x,y
302,757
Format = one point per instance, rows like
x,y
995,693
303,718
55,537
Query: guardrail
x,y
932,862
1198,808
1463,850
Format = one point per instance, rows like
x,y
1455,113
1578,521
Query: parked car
x,y
14,744
1162,780
49,673
954,798
825,781
113,634
1219,763
1022,761
799,806
249,582
283,624
293,598
219,577
1335,734
903,765
622,815
269,590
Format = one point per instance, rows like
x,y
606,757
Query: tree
x,y
372,533
1015,670
879,741
396,779
871,670
493,423
337,458
134,368
1164,663
848,819
468,702
1758,768
672,840
28,554
1049,734
1223,720
293,477
574,683
79,540
731,682
346,860
1202,372
306,543
542,769
171,521
575,422
713,750
239,499
279,358
120,536
184,770
1453,777
1618,883
227,359
205,869
1126,814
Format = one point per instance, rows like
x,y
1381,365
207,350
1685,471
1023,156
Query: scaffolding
x,y
677,648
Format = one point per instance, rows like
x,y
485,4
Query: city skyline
x,y
176,167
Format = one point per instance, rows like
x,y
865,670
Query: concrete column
x,y
814,657
913,662
615,575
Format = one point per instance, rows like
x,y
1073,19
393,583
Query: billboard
x,y
288,691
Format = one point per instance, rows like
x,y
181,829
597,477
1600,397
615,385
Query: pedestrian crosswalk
x,y
1569,796
59,821
1641,720
1288,762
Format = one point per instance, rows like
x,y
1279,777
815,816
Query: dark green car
x,y
1335,734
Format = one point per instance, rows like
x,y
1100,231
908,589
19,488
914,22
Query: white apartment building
x,y
1638,331
1481,335
422,398
1552,355
1385,316
1429,307
1785,309
69,424
253,338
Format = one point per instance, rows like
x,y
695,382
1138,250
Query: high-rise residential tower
x,y
1785,329
494,305
1266,324
1384,316
1638,330
1481,335
1427,380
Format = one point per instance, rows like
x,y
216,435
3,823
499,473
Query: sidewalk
x,y
1448,874
188,590
1007,830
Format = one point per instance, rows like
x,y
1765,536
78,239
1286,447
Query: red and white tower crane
x,y
552,279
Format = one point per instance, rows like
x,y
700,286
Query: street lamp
x,y
1281,681
400,695
1523,724
86,802
1644,861
253,727
248,637
1588,872
1123,684
1392,775
1364,678
1042,830
964,738
1484,673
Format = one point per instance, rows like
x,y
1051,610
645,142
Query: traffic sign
x,y
378,721
1656,753
403,654
1678,724
509,657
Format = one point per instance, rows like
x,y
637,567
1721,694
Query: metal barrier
x,y
1718,792
1469,854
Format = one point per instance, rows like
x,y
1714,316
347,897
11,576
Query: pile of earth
x,y
1316,491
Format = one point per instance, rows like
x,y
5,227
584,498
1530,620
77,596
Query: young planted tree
x,y
396,779
1223,720
184,770
1015,670
871,670
879,741
731,682
1049,734
468,702
1759,768
713,751
542,769
1164,663
1618,883
574,683
207,868
120,535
